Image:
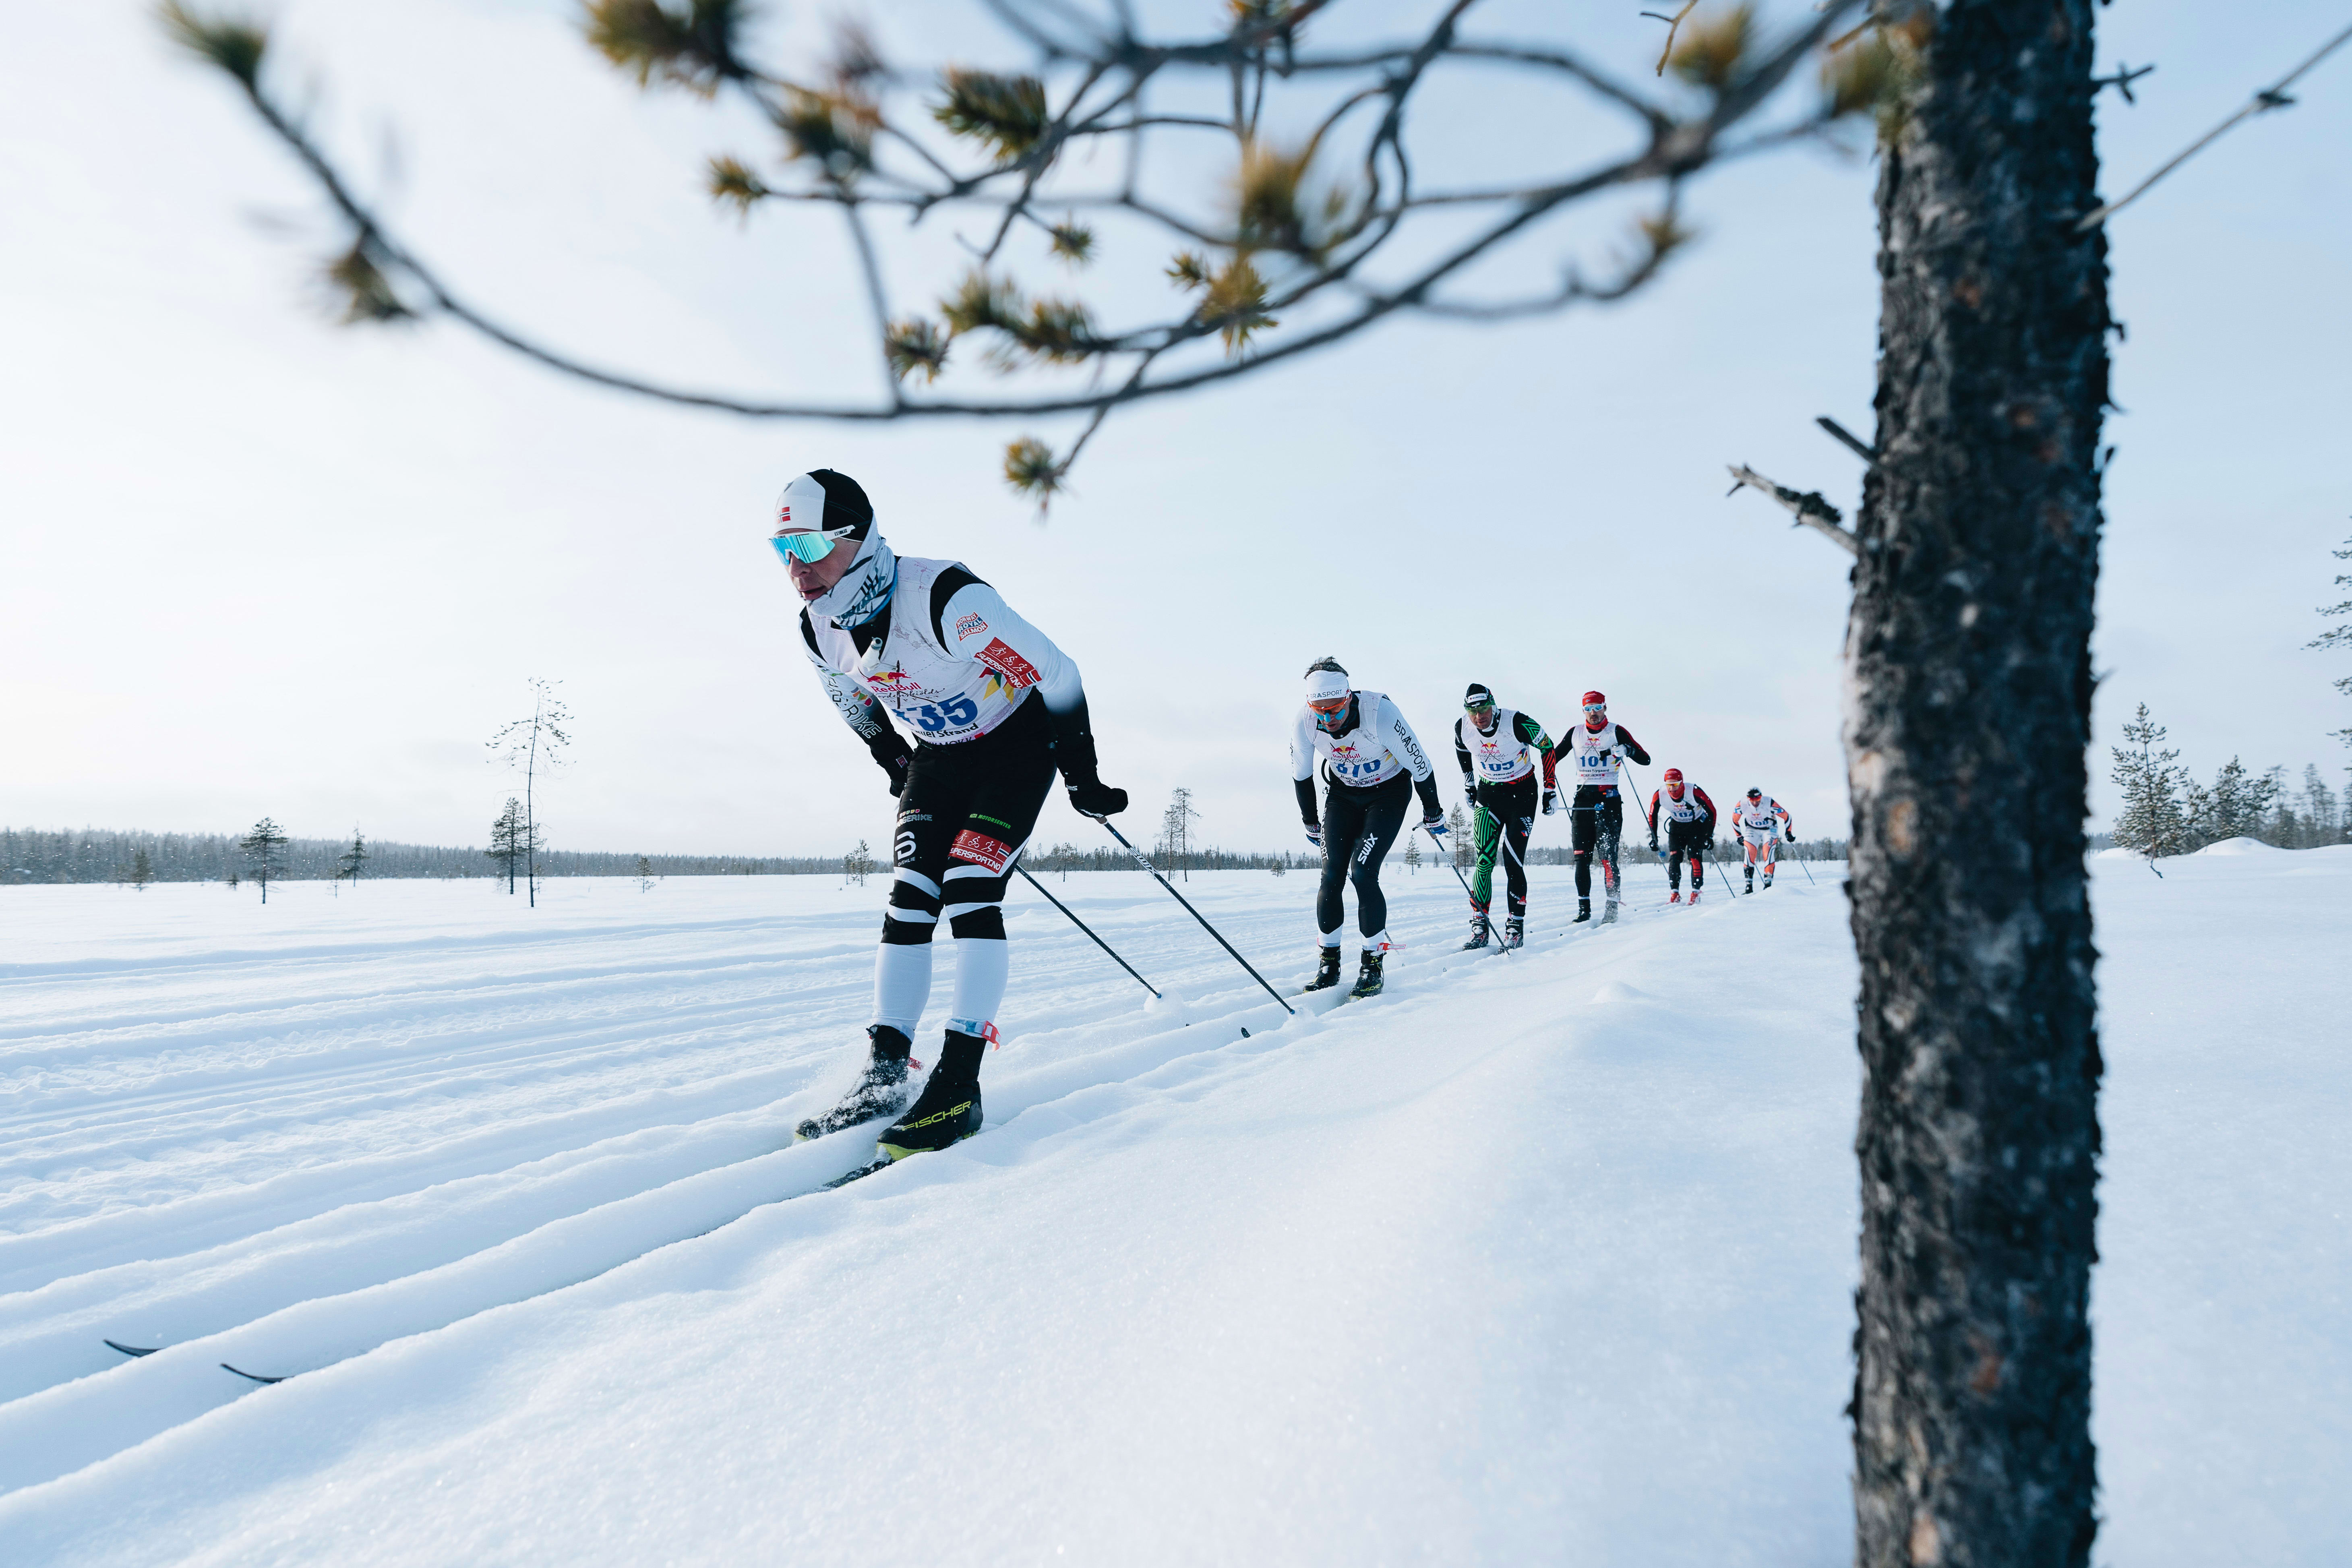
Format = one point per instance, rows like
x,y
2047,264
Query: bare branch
x,y
2263,102
852,137
1807,506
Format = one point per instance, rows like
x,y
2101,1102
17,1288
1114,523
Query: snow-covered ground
x,y
1540,1258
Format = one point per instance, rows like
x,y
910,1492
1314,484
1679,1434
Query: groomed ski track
x,y
1546,1252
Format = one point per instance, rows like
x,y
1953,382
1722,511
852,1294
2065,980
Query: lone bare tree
x,y
1176,831
261,849
531,747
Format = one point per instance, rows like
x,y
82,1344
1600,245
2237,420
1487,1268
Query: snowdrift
x,y
1544,1256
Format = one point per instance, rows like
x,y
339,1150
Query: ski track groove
x,y
504,1165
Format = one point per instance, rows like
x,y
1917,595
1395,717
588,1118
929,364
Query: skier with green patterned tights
x,y
1502,752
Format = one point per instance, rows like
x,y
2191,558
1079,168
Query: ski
x,y
131,1349
251,1376
881,1163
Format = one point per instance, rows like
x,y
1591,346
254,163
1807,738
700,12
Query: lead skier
x,y
1500,751
1368,752
994,709
1689,817
1597,819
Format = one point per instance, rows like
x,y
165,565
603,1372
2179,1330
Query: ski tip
x,y
1245,1031
131,1349
250,1376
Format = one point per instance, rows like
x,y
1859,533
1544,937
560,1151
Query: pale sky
x,y
257,563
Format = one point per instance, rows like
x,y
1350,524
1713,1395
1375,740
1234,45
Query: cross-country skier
x,y
993,708
1760,820
1689,817
1368,752
1597,816
1500,751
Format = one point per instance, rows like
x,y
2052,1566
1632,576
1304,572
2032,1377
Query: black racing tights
x,y
1358,825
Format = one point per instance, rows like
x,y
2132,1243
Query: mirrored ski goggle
x,y
1482,705
811,545
1596,708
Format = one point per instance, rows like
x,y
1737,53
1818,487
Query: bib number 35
x,y
954,713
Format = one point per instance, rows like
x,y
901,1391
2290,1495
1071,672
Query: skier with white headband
x,y
994,709
1369,753
1594,751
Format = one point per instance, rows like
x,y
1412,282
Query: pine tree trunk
x,y
1969,654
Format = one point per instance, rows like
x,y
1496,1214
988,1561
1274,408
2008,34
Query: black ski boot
x,y
949,1108
1368,978
1326,970
1751,880
1515,931
1768,878
1583,911
881,1091
1479,932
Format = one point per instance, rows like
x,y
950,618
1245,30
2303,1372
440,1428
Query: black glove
x,y
1092,797
1074,756
1551,802
1792,836
889,750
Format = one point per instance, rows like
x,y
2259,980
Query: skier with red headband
x,y
994,709
1689,817
1594,751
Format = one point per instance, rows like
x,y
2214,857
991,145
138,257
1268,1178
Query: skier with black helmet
x,y
1501,753
1594,750
1368,753
992,709
1760,820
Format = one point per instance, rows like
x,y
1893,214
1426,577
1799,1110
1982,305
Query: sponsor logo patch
x,y
980,849
1017,671
968,627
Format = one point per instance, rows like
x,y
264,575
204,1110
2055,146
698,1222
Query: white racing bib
x,y
1499,758
1595,756
1377,750
1756,816
1687,809
938,693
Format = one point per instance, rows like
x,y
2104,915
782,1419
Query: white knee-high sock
x,y
983,963
902,985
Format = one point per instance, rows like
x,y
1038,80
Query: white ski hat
x,y
1323,685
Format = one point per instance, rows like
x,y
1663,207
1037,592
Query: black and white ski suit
x,y
993,709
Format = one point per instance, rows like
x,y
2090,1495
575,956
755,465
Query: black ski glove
x,y
889,750
1074,756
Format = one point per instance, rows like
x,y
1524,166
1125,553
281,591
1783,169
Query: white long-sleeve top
x,y
1373,748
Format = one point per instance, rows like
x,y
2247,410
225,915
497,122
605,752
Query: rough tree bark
x,y
1969,659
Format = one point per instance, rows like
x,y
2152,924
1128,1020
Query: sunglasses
x,y
1334,705
811,545
1480,707
1596,708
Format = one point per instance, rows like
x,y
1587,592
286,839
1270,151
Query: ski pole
x,y
1808,870
1189,910
1082,926
1458,877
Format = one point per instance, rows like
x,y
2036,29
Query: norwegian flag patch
x,y
980,849
1017,671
